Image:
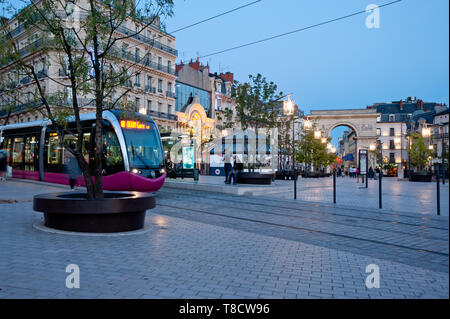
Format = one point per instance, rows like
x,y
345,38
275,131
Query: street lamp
x,y
290,109
307,125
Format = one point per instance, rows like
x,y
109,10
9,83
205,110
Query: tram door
x,y
31,157
24,156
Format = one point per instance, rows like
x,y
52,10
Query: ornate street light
x,y
317,134
426,132
290,109
307,124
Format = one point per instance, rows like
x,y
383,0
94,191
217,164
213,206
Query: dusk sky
x,y
339,65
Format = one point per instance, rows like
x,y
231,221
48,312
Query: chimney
x,y
195,65
401,105
420,104
227,77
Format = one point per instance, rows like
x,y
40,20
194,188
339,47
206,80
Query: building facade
x,y
395,122
149,56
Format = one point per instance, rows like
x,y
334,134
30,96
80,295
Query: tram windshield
x,y
143,144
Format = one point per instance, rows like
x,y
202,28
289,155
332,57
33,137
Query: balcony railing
x,y
170,94
150,89
440,135
147,40
161,115
143,61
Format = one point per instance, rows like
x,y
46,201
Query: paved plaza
x,y
398,195
200,244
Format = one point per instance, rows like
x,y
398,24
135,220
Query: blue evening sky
x,y
339,65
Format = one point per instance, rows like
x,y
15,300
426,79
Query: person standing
x,y
3,164
227,166
237,167
72,169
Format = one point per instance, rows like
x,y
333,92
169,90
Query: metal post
x,y
380,189
443,161
334,185
367,170
438,190
293,157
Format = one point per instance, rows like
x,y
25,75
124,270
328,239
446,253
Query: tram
x,y
133,157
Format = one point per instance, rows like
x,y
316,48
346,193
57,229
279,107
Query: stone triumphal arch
x,y
361,121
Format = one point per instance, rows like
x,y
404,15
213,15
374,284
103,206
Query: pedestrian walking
x,y
71,168
371,173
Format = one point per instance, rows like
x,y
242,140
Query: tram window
x,y
31,148
111,149
54,152
17,156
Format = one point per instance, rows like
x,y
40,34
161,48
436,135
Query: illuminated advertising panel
x,y
188,157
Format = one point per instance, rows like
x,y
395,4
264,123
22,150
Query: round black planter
x,y
254,178
420,177
117,212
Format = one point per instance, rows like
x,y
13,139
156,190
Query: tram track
x,y
338,222
314,231
317,211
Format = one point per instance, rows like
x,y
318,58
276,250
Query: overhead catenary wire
x,y
216,16
295,31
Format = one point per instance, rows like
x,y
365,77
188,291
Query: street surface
x,y
211,245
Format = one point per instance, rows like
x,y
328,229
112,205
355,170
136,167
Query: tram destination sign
x,y
135,125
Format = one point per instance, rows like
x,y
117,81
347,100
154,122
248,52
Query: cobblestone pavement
x,y
400,196
223,246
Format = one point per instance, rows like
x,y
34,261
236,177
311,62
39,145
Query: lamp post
x,y
290,109
307,125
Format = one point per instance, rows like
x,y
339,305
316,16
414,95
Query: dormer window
x,y
391,117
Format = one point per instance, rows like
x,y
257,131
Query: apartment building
x,y
149,57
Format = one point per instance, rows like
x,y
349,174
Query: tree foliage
x,y
80,37
314,151
257,103
419,153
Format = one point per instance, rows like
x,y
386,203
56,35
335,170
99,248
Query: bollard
x,y
438,190
334,186
443,172
380,196
295,183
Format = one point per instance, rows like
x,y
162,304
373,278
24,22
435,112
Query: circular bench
x,y
116,212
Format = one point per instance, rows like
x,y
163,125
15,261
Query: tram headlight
x,y
136,171
162,171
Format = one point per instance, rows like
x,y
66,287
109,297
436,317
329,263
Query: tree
x,y
315,151
419,153
256,103
82,37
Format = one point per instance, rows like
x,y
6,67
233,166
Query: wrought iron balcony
x,y
147,40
